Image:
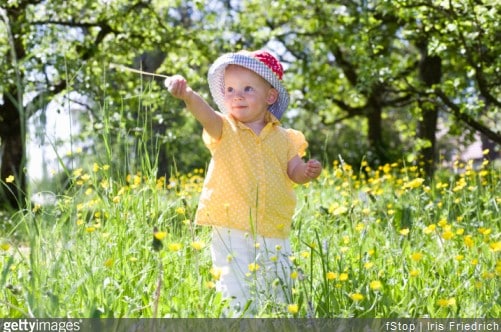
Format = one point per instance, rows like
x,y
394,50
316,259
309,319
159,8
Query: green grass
x,y
367,243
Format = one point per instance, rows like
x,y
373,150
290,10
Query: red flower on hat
x,y
270,61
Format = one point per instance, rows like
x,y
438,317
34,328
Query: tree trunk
x,y
12,150
427,131
377,147
430,73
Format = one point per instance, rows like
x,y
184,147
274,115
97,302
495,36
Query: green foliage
x,y
368,243
348,65
374,243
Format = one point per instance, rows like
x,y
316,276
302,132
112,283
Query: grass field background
x,y
366,243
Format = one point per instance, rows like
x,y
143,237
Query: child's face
x,y
247,95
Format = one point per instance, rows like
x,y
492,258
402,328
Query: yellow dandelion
x,y
77,172
485,231
160,235
305,254
293,308
197,245
216,273
90,229
253,267
414,273
159,184
104,184
429,229
368,265
343,277
108,263
116,199
416,183
495,246
137,180
442,222
36,208
95,167
404,231
180,210
339,210
175,246
447,235
459,258
468,241
375,285
133,259
356,297
294,275
331,275
446,302
5,246
210,285
417,256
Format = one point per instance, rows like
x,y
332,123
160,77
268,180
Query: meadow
x,y
366,243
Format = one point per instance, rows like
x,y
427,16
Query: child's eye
x,y
229,89
248,89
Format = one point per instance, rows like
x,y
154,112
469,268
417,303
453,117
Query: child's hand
x,y
178,87
313,169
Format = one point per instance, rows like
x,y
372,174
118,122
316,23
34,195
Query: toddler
x,y
248,195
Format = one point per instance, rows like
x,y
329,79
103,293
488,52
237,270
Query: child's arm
x,y
210,120
301,172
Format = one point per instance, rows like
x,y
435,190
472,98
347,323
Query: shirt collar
x,y
272,123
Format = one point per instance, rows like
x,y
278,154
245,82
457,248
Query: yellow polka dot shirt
x,y
247,186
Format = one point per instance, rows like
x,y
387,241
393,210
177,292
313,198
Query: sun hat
x,y
262,63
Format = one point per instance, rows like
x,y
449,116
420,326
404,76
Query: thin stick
x,y
137,71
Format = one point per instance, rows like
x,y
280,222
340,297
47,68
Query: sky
x,y
48,143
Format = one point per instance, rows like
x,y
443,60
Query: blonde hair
x,y
268,117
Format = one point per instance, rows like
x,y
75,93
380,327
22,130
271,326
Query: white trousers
x,y
253,269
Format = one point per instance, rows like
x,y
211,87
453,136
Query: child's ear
x,y
272,96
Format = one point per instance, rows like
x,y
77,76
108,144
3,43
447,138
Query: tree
x,y
55,46
397,64
371,79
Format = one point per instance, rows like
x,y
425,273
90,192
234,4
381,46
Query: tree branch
x,y
456,111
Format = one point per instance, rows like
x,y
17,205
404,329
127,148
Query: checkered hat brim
x,y
216,80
